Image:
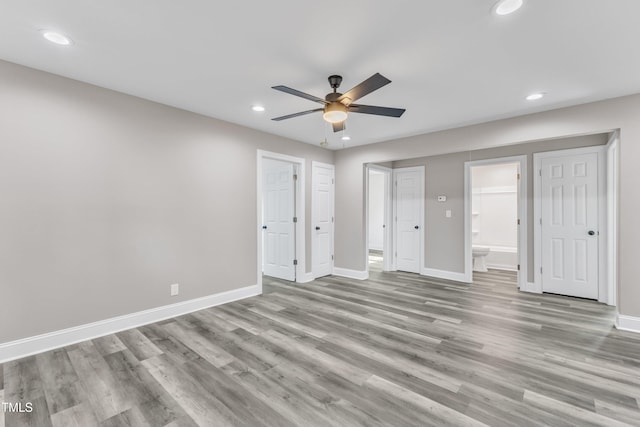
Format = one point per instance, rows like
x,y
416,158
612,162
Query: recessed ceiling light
x,y
505,7
56,38
258,108
535,96
346,138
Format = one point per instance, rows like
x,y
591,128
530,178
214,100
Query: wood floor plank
x,y
203,407
61,384
103,391
397,349
138,344
76,416
441,412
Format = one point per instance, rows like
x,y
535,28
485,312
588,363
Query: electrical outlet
x,y
175,289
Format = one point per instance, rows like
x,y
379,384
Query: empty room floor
x,y
395,350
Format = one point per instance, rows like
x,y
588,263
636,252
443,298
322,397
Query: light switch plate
x,y
175,289
448,213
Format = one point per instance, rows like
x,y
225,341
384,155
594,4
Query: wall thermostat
x,y
442,198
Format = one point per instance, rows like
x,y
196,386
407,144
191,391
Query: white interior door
x,y
278,212
322,221
409,201
569,229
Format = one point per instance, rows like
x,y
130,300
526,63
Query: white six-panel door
x,y
278,213
322,220
569,226
409,203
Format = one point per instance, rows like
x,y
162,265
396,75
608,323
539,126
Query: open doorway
x,y
496,249
378,216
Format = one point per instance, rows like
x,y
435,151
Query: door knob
x,y
264,227
416,227
591,233
317,228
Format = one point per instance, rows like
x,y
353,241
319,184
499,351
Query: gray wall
x,y
107,199
444,174
598,117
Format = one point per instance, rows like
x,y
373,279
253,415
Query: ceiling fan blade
x,y
374,82
290,91
302,113
378,111
337,127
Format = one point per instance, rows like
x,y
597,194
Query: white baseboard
x,y
532,288
28,346
350,274
506,267
306,278
628,323
444,274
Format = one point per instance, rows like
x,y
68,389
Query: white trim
x,y
314,213
421,260
613,176
600,150
443,274
505,267
350,274
496,190
531,287
523,240
52,340
628,323
306,277
388,261
503,249
300,211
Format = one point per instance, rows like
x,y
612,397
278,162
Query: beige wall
x,y
444,174
599,117
107,199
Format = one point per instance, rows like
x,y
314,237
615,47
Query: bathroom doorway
x,y
378,217
496,220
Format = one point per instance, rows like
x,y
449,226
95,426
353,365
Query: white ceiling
x,y
451,62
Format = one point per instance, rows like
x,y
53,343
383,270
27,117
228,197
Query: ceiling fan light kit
x,y
335,112
336,105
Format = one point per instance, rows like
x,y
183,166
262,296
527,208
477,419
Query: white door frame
x,y
314,217
421,263
603,288
300,240
522,215
613,174
388,263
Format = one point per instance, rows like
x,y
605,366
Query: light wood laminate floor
x,y
395,350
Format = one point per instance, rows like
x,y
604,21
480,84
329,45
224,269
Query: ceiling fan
x,y
336,105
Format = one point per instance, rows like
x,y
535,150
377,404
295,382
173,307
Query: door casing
x,y
522,215
600,150
299,163
387,247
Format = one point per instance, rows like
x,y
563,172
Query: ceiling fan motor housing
x,y
333,97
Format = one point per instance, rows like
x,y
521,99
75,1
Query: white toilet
x,y
479,254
